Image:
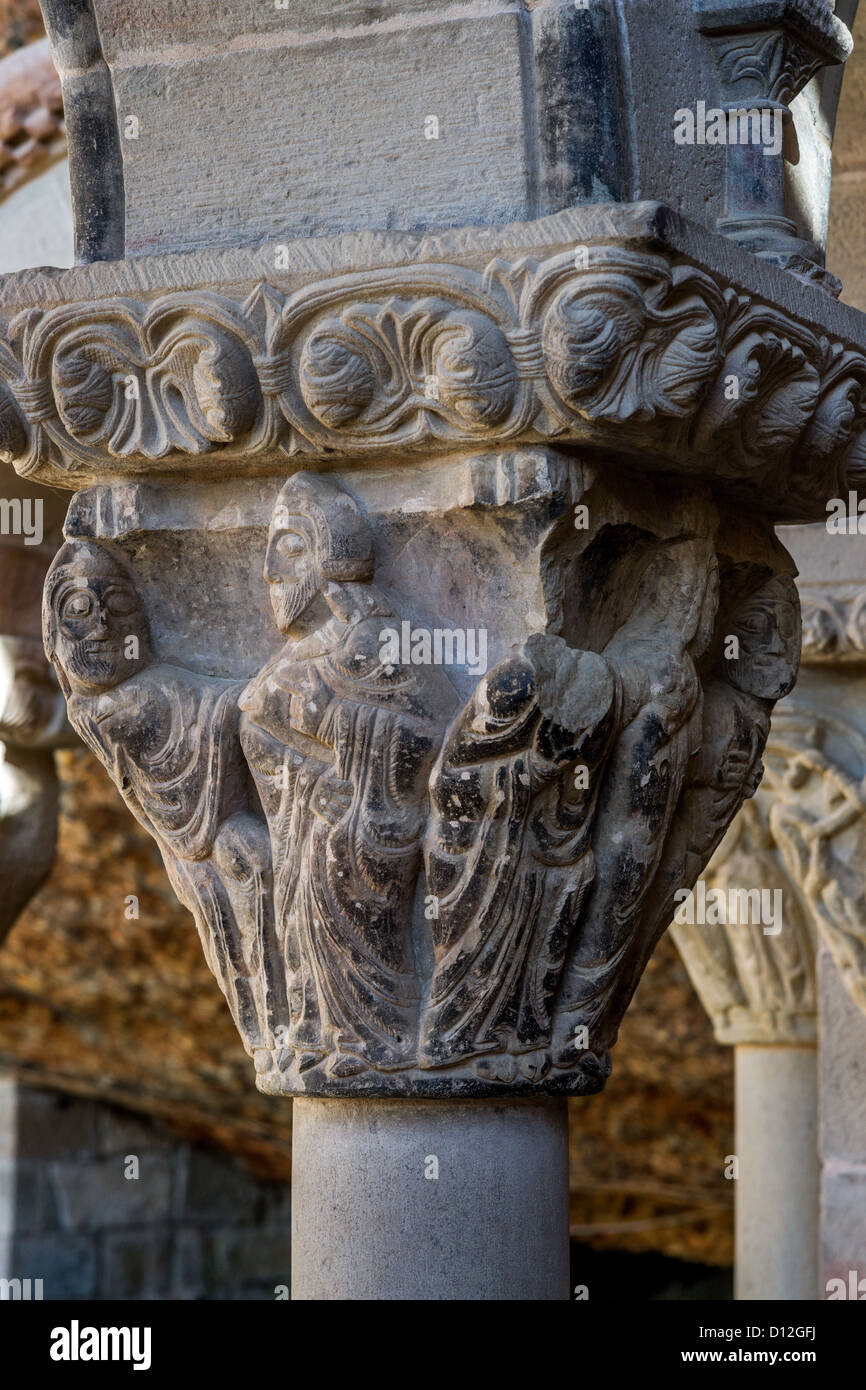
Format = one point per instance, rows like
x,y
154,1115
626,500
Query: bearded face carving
x,y
94,612
767,628
291,573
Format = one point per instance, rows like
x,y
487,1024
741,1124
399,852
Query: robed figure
x,y
508,855
169,739
341,743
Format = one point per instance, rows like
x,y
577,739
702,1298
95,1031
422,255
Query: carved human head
x,y
766,623
95,630
317,536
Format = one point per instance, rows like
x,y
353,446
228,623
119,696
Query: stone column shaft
x,y
429,1200
777,1188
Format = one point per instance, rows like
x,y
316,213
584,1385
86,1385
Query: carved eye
x,y
120,602
80,605
754,624
290,545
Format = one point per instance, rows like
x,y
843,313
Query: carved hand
x,y
332,797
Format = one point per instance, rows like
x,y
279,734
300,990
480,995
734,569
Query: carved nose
x,y
101,628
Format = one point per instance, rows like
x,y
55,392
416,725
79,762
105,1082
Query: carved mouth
x,y
97,648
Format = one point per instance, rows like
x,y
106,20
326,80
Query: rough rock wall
x,y
20,23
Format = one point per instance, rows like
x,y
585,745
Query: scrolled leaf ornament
x,y
622,341
196,389
469,359
337,376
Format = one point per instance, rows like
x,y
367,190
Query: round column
x,y
777,1190
430,1200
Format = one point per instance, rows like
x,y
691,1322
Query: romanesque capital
x,y
421,597
789,875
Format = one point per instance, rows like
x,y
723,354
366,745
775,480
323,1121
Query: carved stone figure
x,y
752,663
653,654
509,856
170,742
340,747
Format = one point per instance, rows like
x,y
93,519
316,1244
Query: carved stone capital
x,y
429,784
493,622
767,50
804,836
755,975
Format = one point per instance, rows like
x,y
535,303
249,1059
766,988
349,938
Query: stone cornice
x,y
813,21
625,330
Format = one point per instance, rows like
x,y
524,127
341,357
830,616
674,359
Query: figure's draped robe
x,y
169,740
654,655
341,748
509,860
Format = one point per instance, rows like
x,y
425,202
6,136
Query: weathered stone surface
x,y
843,1071
777,1174
379,999
248,371
842,1136
383,1039
376,1180
843,1232
523,118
